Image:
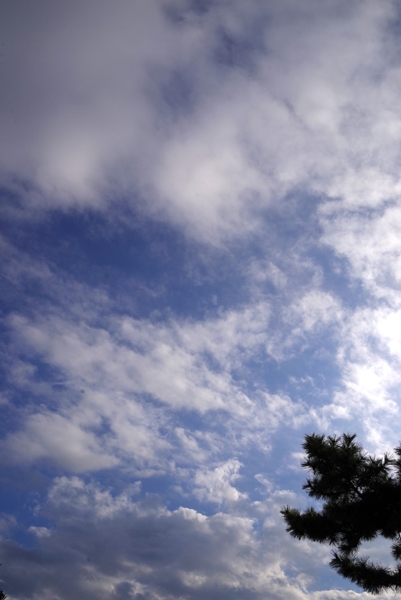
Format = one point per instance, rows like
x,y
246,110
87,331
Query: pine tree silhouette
x,y
362,499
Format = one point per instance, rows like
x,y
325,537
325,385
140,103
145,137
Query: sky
x,y
201,264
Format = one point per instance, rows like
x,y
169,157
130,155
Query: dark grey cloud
x,y
112,547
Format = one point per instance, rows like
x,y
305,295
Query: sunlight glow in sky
x,y
201,263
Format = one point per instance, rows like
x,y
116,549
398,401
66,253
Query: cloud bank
x,y
200,244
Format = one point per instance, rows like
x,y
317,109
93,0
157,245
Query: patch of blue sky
x,y
133,262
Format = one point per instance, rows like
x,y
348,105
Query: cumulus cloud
x,y
215,485
54,437
83,74
302,110
152,552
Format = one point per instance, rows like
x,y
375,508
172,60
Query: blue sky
x,y
200,242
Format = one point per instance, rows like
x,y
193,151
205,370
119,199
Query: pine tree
x,y
361,499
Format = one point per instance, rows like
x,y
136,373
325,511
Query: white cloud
x,y
371,245
40,532
215,485
370,381
306,115
120,383
226,119
83,77
316,308
58,440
